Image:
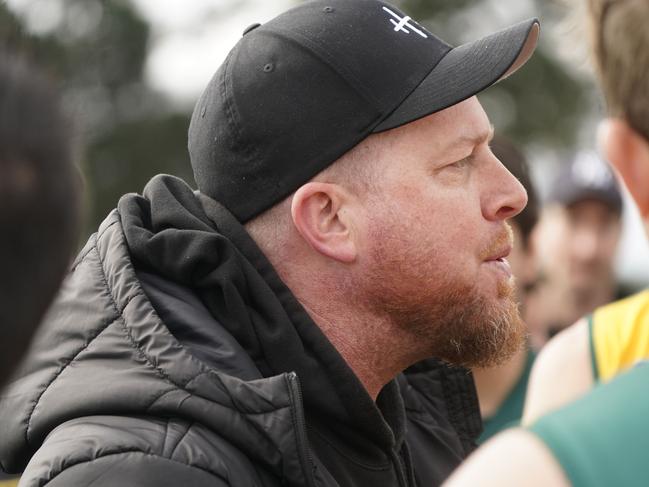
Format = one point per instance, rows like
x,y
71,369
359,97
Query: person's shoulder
x,y
600,439
138,451
514,457
620,334
588,442
562,371
625,308
131,468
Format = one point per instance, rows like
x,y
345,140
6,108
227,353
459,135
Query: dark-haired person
x,y
601,438
579,232
351,222
501,389
39,195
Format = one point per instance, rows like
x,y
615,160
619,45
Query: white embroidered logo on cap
x,y
401,23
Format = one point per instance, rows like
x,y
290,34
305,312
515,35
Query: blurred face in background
x,y
579,243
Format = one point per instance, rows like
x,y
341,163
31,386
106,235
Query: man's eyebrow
x,y
484,137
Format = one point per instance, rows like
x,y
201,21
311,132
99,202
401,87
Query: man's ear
x,y
320,214
628,152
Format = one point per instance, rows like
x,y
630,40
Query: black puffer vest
x,y
174,355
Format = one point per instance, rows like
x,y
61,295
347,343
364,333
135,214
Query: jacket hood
x,y
105,350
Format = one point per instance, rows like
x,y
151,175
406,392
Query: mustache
x,y
504,240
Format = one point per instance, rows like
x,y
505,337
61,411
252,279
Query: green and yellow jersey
x,y
602,439
619,335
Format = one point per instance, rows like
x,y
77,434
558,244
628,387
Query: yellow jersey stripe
x,y
620,335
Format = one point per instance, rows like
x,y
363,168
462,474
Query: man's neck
x,y
364,341
373,348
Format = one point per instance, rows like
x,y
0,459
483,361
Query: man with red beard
x,y
350,223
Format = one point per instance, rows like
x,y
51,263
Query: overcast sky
x,y
196,40
189,39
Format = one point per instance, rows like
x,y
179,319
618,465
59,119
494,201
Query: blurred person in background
x,y
577,240
605,338
501,389
601,438
351,222
39,206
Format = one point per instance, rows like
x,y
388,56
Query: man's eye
x,y
462,162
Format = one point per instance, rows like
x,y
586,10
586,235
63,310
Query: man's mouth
x,y
501,253
502,264
499,260
496,254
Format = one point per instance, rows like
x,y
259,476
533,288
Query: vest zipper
x,y
400,469
299,423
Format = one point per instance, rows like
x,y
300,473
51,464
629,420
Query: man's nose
x,y
506,196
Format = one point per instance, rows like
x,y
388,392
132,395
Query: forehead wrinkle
x,y
469,140
432,128
463,145
478,139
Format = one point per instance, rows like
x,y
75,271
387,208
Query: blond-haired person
x,y
602,438
616,336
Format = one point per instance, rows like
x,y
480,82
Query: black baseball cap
x,y
586,177
298,92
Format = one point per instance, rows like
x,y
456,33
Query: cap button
x,y
328,10
250,27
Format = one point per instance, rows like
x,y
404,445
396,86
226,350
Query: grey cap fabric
x,y
586,177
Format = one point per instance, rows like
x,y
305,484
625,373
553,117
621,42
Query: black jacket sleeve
x,y
134,469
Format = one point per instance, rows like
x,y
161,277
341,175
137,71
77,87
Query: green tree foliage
x,y
126,131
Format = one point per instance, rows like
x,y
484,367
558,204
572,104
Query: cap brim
x,y
465,71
